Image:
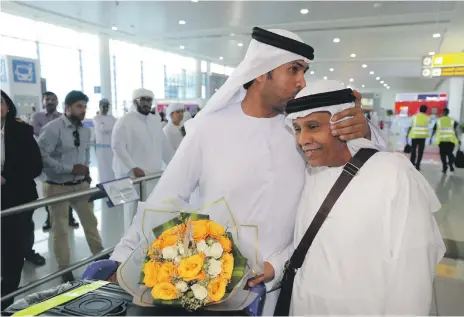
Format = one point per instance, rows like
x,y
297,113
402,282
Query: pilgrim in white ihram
x,y
139,144
103,126
175,115
251,161
376,252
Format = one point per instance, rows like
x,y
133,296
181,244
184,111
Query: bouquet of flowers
x,y
187,260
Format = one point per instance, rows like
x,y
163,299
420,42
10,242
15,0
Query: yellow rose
x,y
199,277
215,230
227,265
176,230
225,243
190,267
150,269
200,229
164,291
166,272
217,289
169,241
157,244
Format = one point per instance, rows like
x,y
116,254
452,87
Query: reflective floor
x,y
449,283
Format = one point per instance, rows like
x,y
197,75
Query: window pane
x,y
15,47
60,67
52,34
153,71
218,69
229,71
91,78
16,26
204,66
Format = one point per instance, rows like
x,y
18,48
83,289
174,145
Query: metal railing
x,y
57,199
64,197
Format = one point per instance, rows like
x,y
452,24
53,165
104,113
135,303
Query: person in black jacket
x,y
21,163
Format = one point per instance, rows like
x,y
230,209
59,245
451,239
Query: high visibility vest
x,y
420,126
445,131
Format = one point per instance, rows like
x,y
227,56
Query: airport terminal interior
x,y
399,55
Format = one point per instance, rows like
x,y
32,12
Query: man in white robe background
x,y
175,115
239,147
140,146
103,124
376,252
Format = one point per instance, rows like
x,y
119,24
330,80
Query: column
x,y
198,80
455,96
105,67
208,81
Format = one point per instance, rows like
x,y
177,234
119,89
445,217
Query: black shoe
x,y
418,167
35,259
73,223
46,226
68,277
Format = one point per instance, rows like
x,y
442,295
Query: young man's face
x,y
144,105
284,83
50,102
177,117
315,139
77,110
104,108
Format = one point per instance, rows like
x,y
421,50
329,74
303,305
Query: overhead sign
x,y
443,65
23,71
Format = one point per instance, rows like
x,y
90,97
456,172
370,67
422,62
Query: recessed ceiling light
x,y
353,55
182,47
371,72
364,65
436,35
194,0
388,87
114,28
336,40
377,5
385,85
240,44
232,34
304,11
325,77
381,81
221,58
363,86
351,80
431,53
377,78
181,22
312,72
331,69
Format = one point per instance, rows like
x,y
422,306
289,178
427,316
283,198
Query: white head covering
x,y
173,108
142,92
323,86
260,58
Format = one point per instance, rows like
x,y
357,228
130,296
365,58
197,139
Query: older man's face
x,y
315,139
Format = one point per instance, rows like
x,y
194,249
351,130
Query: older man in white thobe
x,y
140,146
172,130
103,124
239,147
375,253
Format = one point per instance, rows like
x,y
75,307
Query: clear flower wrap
x,y
158,224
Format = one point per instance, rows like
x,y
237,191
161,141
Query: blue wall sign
x,y
24,71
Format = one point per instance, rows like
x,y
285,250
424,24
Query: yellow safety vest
x,y
445,131
420,126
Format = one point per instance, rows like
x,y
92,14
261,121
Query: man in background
x,y
103,125
175,115
139,145
446,139
65,148
419,132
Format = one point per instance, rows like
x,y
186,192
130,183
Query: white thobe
x,y
376,252
103,126
173,135
252,162
139,141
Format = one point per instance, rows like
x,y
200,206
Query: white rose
x,y
170,252
181,286
200,292
180,248
177,260
201,246
215,267
215,250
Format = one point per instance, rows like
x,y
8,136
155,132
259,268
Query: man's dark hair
x,y
445,111
48,93
423,109
75,96
248,84
11,107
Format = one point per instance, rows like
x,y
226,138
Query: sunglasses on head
x,y
77,141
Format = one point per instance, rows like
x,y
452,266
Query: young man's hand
x,y
352,128
138,172
267,275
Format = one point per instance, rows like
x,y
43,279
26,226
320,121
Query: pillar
x,y
105,67
455,98
198,80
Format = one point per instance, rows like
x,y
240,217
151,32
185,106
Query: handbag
x,y
296,260
407,148
459,161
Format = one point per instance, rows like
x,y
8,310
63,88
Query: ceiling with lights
x,y
371,45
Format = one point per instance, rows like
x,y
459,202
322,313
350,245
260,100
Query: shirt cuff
x,y
67,168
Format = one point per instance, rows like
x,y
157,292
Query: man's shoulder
x,y
388,165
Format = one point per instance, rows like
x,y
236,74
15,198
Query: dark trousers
x,y
13,243
446,150
29,235
415,144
